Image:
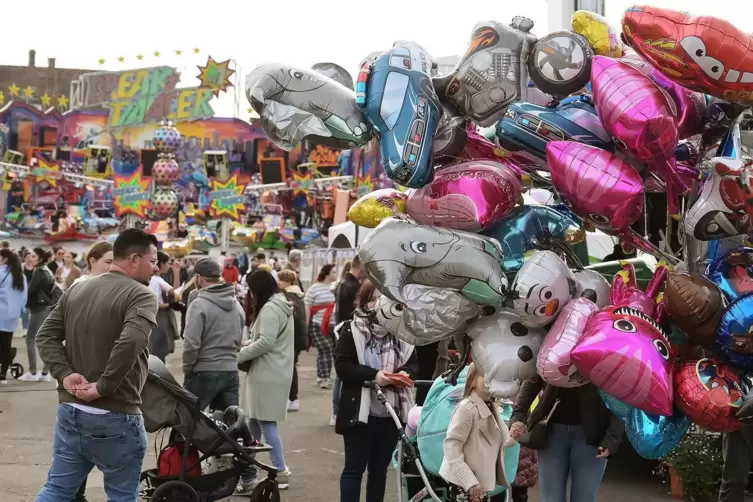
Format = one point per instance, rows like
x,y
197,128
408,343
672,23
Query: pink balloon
x,y
553,363
479,148
599,186
471,196
624,350
641,117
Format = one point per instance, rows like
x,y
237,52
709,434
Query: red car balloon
x,y
703,53
709,393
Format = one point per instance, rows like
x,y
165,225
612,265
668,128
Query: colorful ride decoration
x,y
228,198
166,171
132,194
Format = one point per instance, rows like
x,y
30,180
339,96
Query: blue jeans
x,y
216,389
268,433
567,454
337,389
115,443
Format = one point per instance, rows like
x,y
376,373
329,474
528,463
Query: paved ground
x,y
313,451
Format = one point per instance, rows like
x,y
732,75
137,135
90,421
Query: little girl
x,y
473,461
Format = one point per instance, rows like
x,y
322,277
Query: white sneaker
x,y
325,383
294,405
3,382
246,488
29,377
333,420
45,378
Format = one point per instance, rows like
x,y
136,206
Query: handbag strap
x,y
551,412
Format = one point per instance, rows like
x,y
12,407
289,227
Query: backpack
x,y
55,292
438,407
299,321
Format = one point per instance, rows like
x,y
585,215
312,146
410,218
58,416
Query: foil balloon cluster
x,y
165,172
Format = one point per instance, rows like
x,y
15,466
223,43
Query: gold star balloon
x,y
63,102
46,100
14,90
28,92
215,76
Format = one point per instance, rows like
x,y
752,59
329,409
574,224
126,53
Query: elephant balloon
x,y
554,363
505,351
299,104
492,73
544,284
428,315
399,252
596,283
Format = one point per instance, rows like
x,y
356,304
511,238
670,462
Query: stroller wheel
x,y
16,370
175,491
146,484
266,491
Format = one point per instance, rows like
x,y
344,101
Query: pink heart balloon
x,y
554,363
642,119
472,196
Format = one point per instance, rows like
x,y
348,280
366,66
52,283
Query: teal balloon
x,y
524,229
615,406
654,436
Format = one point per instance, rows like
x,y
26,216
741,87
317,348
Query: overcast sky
x,y
297,32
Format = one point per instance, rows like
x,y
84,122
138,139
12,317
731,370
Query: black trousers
x,y
294,384
427,361
737,448
367,446
6,342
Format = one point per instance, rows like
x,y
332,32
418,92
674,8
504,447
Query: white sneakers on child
x,y
294,405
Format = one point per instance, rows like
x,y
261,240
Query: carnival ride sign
x,y
144,96
132,194
228,198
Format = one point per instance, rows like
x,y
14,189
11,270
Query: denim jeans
x,y
337,389
114,442
568,455
268,433
367,446
216,389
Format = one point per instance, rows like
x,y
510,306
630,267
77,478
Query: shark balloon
x,y
399,252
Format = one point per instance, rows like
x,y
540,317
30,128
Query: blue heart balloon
x,y
653,436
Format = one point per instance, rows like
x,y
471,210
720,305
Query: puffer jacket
x,y
528,468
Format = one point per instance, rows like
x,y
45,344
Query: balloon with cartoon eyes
x,y
543,285
428,315
625,353
710,393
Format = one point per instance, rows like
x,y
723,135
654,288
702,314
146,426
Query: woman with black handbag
x,y
574,433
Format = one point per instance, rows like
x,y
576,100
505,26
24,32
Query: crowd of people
x,y
91,324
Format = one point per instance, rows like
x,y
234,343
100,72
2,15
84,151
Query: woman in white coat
x,y
268,359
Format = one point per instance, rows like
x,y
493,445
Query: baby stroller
x,y
417,460
195,440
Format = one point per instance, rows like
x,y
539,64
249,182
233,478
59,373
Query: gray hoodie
x,y
214,327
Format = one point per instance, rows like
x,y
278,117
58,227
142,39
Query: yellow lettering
x,y
729,95
116,107
124,84
185,104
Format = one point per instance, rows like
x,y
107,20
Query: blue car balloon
x,y
401,104
526,129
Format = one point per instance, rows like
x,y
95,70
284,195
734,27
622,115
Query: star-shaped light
x,y
14,90
47,171
196,50
227,199
28,92
2,98
130,194
63,102
178,52
156,54
215,76
139,56
102,61
121,59
301,183
46,100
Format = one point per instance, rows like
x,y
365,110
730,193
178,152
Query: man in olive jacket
x,y
95,344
